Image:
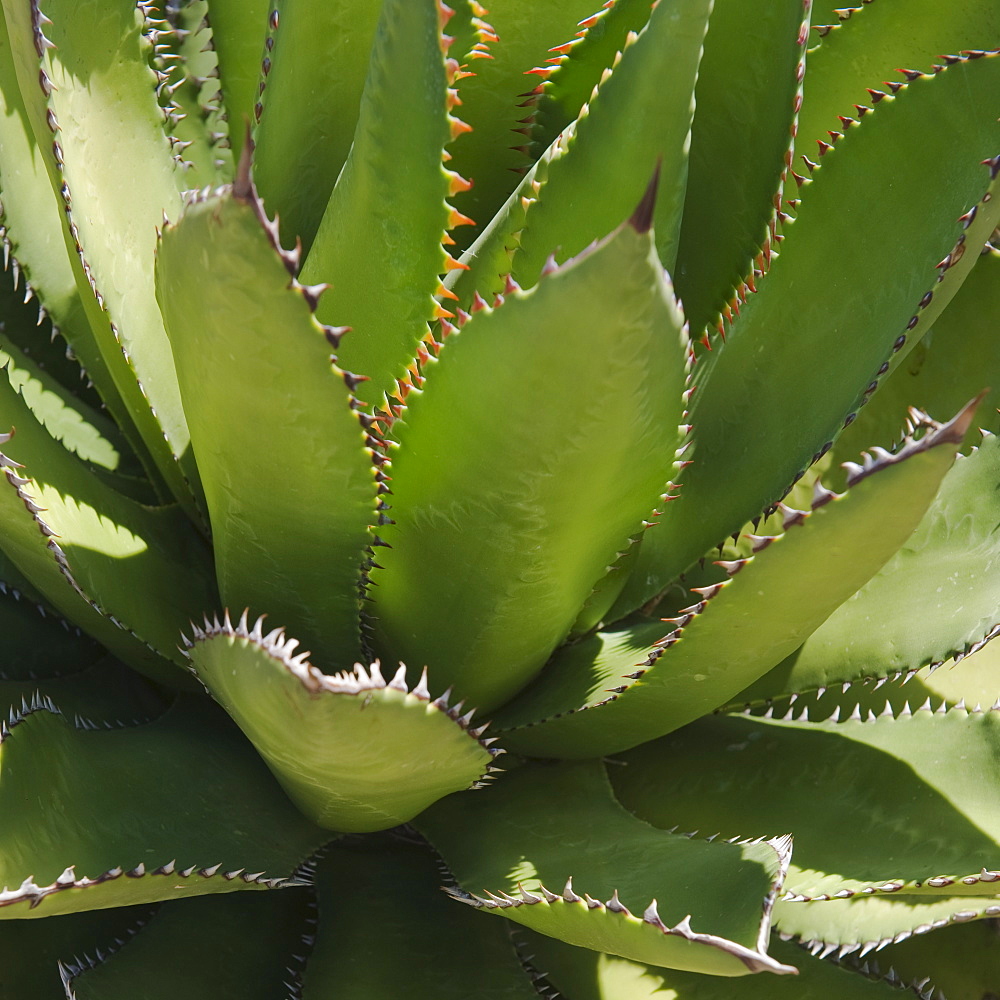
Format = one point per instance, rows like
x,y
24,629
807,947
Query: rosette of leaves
x,y
580,603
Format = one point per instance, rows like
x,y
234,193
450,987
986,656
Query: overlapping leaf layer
x,y
531,452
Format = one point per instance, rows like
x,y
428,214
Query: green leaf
x,y
745,106
705,907
99,98
191,94
501,93
30,950
306,115
379,242
962,961
239,29
425,947
765,409
354,751
640,116
871,45
80,428
243,945
571,77
66,530
496,494
290,523
869,923
934,599
36,643
586,975
32,229
177,807
955,360
103,689
903,807
622,687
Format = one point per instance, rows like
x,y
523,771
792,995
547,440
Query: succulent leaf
x,y
868,47
30,950
639,116
32,230
239,33
896,821
515,546
500,97
64,529
241,944
93,58
586,975
621,687
305,114
384,273
290,529
342,745
204,815
700,903
943,576
861,203
426,946
956,359
746,102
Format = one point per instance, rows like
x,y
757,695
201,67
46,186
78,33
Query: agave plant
x,y
580,603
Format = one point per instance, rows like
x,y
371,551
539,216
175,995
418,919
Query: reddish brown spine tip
x,y
642,218
243,185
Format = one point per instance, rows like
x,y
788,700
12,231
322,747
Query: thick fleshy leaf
x,y
97,67
956,359
245,945
497,496
705,906
425,947
191,93
869,923
379,243
239,29
570,77
871,46
65,530
937,597
31,229
962,961
81,428
749,84
584,975
177,807
354,751
640,116
314,73
31,950
619,688
501,95
37,643
105,689
765,408
289,473
892,816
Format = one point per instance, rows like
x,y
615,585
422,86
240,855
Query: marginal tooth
x,y
615,904
528,897
68,877
568,894
209,872
421,690
550,897
398,682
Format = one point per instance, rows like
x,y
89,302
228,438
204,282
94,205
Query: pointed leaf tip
x,y
642,218
956,428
